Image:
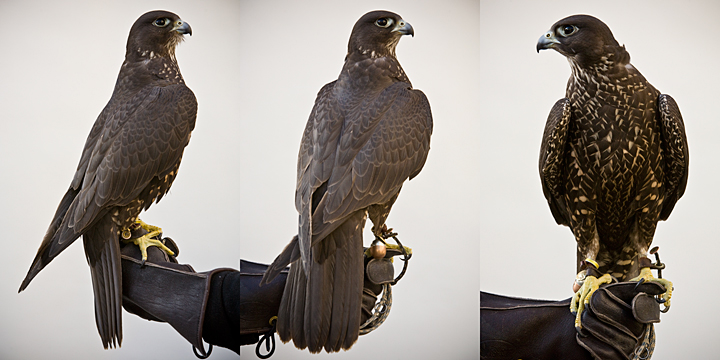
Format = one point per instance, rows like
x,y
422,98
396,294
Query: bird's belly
x,y
124,216
613,184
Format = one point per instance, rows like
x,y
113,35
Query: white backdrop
x,y
674,45
475,217
255,67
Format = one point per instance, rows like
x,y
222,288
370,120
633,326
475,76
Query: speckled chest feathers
x,y
614,157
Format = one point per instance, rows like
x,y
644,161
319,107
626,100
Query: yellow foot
x,y
369,251
397,247
145,241
646,275
582,296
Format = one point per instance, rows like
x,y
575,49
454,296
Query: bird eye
x,y
567,30
384,22
161,22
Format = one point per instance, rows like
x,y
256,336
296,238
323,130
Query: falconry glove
x,y
197,305
619,317
614,325
224,307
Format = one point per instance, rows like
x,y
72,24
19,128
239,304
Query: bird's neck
x,y
367,72
606,83
607,71
358,52
143,69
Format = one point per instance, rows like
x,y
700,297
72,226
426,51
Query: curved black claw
x,y
665,308
640,282
580,331
203,356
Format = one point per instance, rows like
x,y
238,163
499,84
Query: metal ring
x,y
405,259
382,311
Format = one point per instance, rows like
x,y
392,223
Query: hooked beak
x,y
547,41
404,28
182,28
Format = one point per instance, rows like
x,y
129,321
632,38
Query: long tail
x,y
322,310
57,238
102,250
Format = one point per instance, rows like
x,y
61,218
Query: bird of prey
x,y
368,132
613,159
129,160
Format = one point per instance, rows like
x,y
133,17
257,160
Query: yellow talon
x,y
582,297
647,275
397,247
408,250
145,241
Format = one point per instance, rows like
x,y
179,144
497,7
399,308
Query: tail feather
x,y
323,310
292,311
339,309
57,238
316,326
288,255
347,298
102,250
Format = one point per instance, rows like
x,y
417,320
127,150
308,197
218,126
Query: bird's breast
x,y
613,149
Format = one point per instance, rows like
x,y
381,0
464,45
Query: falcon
x,y
613,159
368,132
129,161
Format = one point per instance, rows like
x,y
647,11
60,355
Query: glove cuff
x,y
258,304
178,297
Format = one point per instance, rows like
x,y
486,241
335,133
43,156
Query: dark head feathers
x,y
585,40
158,32
377,33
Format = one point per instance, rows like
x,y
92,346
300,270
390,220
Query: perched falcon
x,y
368,132
130,159
614,156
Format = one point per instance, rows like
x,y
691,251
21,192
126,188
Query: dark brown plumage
x,y
130,159
368,132
614,156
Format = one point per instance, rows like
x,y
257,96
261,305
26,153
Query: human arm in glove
x,y
613,326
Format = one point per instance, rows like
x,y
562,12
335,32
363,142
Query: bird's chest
x,y
614,153
613,130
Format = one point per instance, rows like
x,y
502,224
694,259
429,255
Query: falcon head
x,y
156,33
377,33
584,40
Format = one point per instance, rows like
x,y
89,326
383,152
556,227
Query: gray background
x,y
475,217
255,67
523,253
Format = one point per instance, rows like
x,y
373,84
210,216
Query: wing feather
x,y
552,159
126,167
104,177
377,171
675,151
